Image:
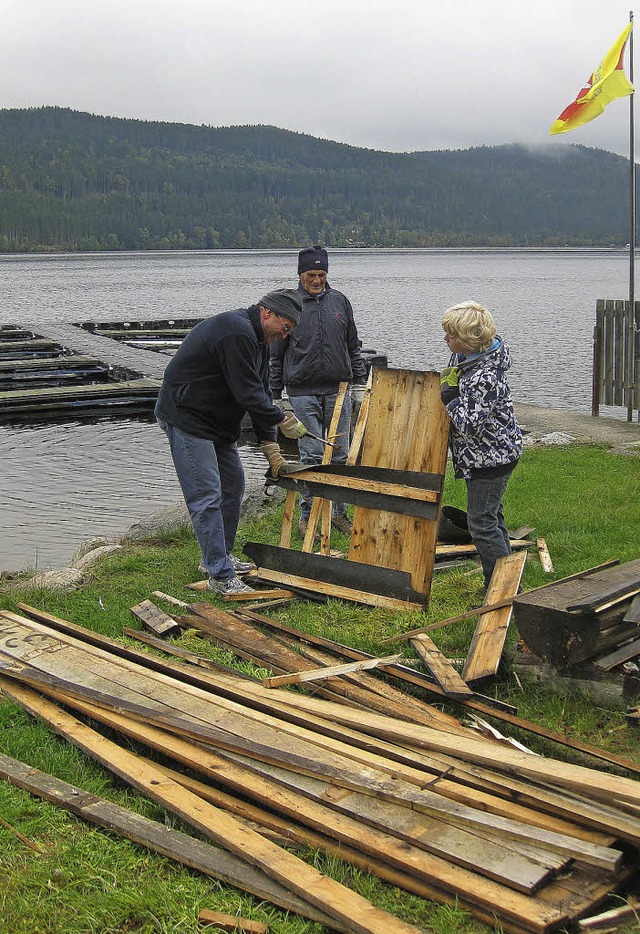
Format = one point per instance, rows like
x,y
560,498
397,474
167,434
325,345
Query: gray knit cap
x,y
285,302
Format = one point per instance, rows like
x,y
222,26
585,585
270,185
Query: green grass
x,y
582,500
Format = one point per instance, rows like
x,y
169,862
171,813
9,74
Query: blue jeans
x,y
486,520
212,480
315,413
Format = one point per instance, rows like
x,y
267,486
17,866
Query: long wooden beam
x,y
190,851
412,677
354,913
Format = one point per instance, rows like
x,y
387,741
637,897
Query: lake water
x,y
66,482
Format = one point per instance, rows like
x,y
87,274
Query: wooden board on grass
x,y
488,640
440,667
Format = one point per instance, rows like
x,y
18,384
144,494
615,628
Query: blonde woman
x,y
485,438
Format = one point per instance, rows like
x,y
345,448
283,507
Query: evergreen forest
x,y
73,181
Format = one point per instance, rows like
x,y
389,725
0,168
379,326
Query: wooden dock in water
x,y
56,370
53,370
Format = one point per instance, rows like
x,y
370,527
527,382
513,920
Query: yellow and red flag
x,y
607,83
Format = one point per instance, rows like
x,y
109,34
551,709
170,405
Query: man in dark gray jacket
x,y
219,372
310,363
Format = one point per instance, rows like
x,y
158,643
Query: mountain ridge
x,y
76,181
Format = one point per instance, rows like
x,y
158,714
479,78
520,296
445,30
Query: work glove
x,y
357,393
278,466
291,427
271,450
449,388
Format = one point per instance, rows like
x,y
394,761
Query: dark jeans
x,y
212,480
486,520
315,413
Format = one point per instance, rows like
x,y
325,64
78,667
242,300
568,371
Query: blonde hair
x,y
471,325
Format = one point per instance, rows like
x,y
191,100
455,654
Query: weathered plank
x,y
479,701
633,613
440,667
519,913
352,911
468,614
545,557
488,640
155,619
320,674
189,851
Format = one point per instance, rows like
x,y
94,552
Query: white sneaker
x,y
229,586
239,567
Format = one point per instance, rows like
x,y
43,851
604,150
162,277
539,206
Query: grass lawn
x,y
583,500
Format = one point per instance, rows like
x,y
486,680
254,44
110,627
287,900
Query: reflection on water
x,y
63,483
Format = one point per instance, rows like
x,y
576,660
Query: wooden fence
x,y
616,356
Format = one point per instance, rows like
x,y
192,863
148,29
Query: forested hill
x,y
74,181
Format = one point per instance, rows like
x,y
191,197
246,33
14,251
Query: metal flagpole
x,y
632,340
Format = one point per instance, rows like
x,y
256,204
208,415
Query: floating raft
x,y
56,371
62,371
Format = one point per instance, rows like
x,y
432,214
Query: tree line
x,y
73,181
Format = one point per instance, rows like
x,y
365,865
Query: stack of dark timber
x,y
587,626
408,793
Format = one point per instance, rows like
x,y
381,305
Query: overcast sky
x,y
399,75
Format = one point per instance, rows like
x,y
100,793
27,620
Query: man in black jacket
x,y
310,364
219,372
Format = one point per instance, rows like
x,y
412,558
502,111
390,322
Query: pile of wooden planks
x,y
385,781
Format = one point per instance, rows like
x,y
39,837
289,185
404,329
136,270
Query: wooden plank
x,y
369,723
155,619
377,487
440,667
451,884
622,590
337,591
633,613
57,393
361,424
321,673
623,654
270,593
488,640
468,614
610,920
224,922
329,766
565,638
479,702
157,837
287,519
316,503
276,654
545,557
417,830
352,911
461,550
168,598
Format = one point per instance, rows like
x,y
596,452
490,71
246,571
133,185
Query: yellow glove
x,y
291,427
449,388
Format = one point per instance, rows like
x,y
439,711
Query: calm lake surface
x,y
62,483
